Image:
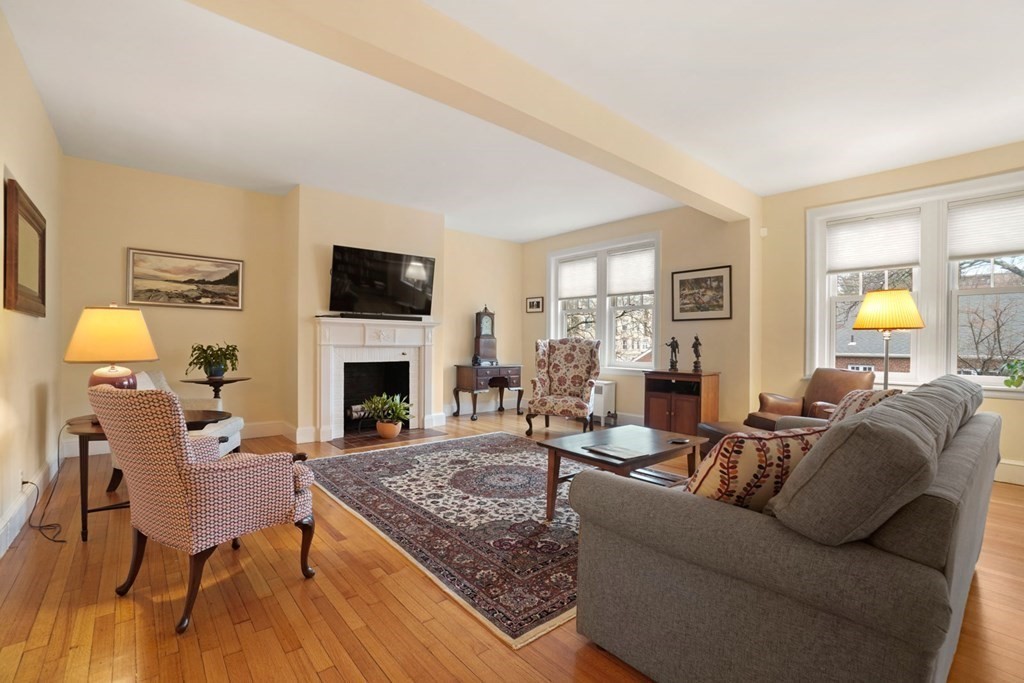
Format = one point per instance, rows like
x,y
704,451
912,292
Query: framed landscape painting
x,y
704,294
161,278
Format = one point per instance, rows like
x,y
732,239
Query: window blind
x,y
986,227
577,278
631,271
873,242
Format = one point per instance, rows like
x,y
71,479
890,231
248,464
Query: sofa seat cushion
x,y
859,400
868,466
747,469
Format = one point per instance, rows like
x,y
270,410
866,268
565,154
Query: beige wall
x,y
327,218
110,208
689,240
478,271
30,347
784,269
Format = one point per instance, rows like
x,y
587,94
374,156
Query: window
x,y
609,294
959,249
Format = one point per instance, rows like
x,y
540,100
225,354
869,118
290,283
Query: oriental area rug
x,y
470,512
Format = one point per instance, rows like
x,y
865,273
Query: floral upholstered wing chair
x,y
564,386
185,495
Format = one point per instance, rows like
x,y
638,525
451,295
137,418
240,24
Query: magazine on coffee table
x,y
616,451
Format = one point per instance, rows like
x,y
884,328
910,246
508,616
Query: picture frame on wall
x,y
535,304
164,278
24,253
702,294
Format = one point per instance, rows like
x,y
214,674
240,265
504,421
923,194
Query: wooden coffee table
x,y
642,447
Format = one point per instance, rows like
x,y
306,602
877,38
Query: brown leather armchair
x,y
826,388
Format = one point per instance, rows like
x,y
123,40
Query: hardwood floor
x,y
368,614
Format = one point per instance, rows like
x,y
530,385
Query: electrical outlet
x,y
21,477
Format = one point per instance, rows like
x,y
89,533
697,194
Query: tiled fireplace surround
x,y
344,341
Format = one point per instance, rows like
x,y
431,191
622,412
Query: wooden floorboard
x,y
369,614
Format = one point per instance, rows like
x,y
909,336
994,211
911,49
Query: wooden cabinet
x,y
678,401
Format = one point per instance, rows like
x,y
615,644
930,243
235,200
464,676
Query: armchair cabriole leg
x,y
196,564
308,526
529,423
115,480
138,550
235,545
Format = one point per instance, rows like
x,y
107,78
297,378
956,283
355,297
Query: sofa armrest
x,y
779,404
878,590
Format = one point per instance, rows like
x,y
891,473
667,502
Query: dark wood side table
x,y
216,382
87,430
476,379
646,446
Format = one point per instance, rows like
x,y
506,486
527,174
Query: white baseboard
x,y
625,419
1011,472
309,435
256,430
434,420
17,515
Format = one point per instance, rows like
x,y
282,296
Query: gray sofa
x,y
861,575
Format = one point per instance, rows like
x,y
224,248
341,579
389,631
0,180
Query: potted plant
x,y
389,411
213,359
1014,373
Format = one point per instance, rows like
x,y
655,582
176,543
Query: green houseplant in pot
x,y
389,411
213,359
1014,373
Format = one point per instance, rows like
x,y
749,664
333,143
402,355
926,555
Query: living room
x,y
98,202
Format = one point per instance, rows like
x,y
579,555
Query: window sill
x,y
991,392
622,372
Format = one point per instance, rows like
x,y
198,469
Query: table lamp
x,y
111,335
886,310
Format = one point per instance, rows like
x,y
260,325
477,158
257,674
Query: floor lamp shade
x,y
111,335
886,310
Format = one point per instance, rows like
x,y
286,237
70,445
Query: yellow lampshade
x,y
888,309
110,335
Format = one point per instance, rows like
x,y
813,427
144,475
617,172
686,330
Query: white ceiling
x,y
783,94
165,86
777,95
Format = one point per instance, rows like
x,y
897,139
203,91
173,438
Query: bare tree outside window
x,y
990,330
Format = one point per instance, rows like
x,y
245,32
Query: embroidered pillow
x,y
749,468
858,400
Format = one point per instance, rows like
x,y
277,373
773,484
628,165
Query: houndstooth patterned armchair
x,y
184,495
564,385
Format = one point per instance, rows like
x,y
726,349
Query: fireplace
x,y
363,380
401,345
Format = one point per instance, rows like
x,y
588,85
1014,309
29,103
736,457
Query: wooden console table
x,y
477,379
678,401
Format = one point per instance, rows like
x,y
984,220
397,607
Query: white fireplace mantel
x,y
344,340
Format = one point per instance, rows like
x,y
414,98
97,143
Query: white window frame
x,y
604,323
933,349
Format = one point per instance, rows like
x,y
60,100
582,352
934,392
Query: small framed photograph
x,y
704,294
535,304
161,278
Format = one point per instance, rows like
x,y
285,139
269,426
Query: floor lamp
x,y
886,310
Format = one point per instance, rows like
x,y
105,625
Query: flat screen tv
x,y
380,283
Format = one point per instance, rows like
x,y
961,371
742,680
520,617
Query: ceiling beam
x,y
410,44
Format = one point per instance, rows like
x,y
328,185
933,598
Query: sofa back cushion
x,y
870,465
924,530
747,469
